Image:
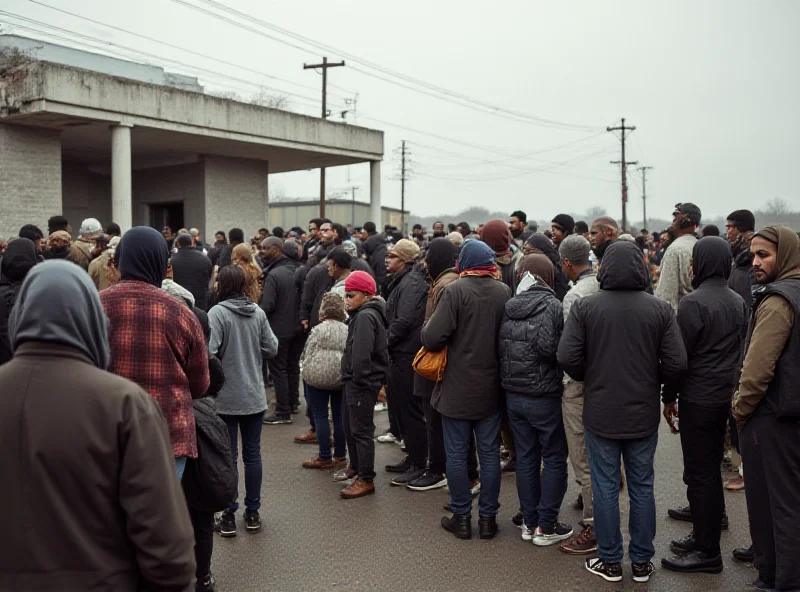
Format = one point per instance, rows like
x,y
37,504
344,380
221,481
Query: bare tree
x,y
777,208
594,213
276,192
262,98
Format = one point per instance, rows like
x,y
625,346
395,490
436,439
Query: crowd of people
x,y
496,349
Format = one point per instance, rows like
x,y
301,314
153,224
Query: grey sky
x,y
712,88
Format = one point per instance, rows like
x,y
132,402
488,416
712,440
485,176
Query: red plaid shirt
x,y
158,343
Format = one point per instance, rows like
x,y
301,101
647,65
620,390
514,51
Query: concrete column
x,y
375,212
121,174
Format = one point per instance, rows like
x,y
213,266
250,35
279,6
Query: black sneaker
x,y
684,513
412,474
226,525
206,584
518,519
277,420
252,521
610,572
400,467
642,571
559,532
429,480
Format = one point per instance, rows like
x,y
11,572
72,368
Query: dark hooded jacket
x,y
365,364
529,335
112,512
713,324
315,284
743,276
192,270
623,344
467,321
280,299
545,245
19,258
405,309
375,250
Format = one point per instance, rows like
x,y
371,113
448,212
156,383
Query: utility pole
x,y
404,176
644,170
324,65
624,170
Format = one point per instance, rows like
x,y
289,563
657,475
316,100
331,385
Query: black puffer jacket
x,y
280,299
375,251
365,364
623,344
405,309
529,335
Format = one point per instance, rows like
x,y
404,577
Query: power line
x,y
462,99
623,165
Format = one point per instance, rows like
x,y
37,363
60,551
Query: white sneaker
x,y
561,532
387,438
380,407
401,443
527,533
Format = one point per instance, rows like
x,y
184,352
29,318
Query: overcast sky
x,y
712,88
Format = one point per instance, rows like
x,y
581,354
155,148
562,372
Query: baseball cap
x,y
690,210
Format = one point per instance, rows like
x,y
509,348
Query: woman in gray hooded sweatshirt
x,y
241,337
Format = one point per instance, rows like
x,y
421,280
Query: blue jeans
x,y
180,466
457,434
250,426
604,462
318,402
539,436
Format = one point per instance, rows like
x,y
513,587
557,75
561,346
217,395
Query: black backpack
x,y
210,481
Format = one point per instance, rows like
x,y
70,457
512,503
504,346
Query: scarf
x,y
741,243
481,271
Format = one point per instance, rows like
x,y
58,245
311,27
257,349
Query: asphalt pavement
x,y
392,541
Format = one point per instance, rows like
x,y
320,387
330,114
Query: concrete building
x,y
90,144
288,214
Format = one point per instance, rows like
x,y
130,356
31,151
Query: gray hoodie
x,y
241,337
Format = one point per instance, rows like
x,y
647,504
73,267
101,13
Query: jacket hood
x,y
533,300
58,303
142,255
788,257
18,259
375,303
372,243
241,305
441,256
711,258
623,268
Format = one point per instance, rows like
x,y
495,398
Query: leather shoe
x,y
694,562
459,525
487,527
684,513
744,554
359,488
685,545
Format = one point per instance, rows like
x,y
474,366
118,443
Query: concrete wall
x,y
235,195
181,183
30,177
286,215
84,195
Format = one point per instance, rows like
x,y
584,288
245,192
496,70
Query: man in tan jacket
x,y
767,408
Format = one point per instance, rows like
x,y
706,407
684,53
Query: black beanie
x,y
566,222
18,259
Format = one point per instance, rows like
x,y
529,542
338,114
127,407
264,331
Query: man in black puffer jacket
x,y
623,344
529,372
405,311
375,252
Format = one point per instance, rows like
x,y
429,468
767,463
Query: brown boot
x,y
359,488
318,463
310,437
583,544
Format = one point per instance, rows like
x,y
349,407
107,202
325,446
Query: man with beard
x,y
438,230
675,281
59,246
313,237
418,234
767,408
517,224
603,234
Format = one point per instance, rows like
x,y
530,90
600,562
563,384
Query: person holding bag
x,y
321,368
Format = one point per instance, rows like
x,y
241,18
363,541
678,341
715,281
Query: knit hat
x,y
332,307
474,253
566,222
91,228
360,281
456,238
574,248
406,250
497,236
61,235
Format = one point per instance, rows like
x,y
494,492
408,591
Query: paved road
x,y
314,541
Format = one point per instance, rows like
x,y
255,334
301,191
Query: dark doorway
x,y
166,214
